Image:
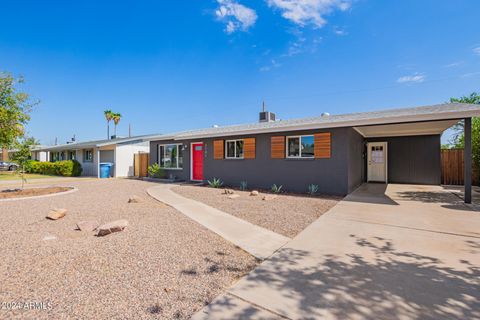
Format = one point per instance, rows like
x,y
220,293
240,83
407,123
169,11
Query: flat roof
x,y
445,111
96,143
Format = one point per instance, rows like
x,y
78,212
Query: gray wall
x,y
356,160
294,174
414,159
183,174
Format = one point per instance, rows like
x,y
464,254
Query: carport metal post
x,y
468,159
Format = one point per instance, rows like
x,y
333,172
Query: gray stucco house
x,y
335,152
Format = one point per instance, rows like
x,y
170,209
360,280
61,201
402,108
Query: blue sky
x,y
174,65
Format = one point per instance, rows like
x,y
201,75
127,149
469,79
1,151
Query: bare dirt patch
x,y
287,214
32,192
162,265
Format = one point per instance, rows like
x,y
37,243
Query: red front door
x,y
197,161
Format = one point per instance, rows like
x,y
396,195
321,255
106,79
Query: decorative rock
x,y
134,199
88,225
49,237
56,214
111,227
254,193
234,196
228,191
269,197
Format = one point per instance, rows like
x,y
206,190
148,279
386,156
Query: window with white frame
x,y
88,155
234,149
300,147
170,156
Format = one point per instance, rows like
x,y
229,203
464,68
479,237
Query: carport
x,y
408,151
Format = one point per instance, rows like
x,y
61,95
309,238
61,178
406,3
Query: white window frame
x,y
179,145
235,150
299,147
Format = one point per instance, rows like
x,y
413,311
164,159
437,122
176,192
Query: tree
x,y
108,116
15,108
459,138
22,155
116,119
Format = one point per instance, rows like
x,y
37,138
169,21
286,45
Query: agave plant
x,y
312,189
243,185
215,183
276,189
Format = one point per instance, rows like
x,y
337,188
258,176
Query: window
x,y
234,149
170,156
71,155
54,156
88,155
300,147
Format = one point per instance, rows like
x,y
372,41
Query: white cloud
x,y
416,77
476,51
235,15
303,12
453,64
273,64
339,32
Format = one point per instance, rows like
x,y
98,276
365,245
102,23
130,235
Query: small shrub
x,y
154,171
215,183
68,168
243,185
276,189
312,189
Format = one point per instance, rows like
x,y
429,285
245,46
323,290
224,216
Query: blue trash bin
x,y
105,168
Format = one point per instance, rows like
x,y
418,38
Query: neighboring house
x,y
90,154
337,152
36,154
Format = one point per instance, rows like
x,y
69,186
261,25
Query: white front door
x,y
377,161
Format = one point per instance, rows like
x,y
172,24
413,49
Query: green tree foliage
x,y
459,138
116,120
108,116
15,108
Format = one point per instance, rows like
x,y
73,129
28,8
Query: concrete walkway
x,y
402,252
259,242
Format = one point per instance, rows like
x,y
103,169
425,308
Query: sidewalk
x,y
259,242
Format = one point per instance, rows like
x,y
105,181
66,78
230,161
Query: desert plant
x,y
154,171
276,189
215,183
312,189
243,185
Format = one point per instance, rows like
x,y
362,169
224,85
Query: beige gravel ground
x,y
288,214
162,266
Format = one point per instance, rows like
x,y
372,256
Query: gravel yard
x,y
162,265
287,214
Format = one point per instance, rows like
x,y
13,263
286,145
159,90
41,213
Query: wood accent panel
x,y
323,145
277,147
452,167
218,149
141,161
249,148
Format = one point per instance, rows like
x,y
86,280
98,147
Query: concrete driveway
x,y
396,252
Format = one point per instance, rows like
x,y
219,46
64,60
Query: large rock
x,y
111,227
56,214
87,225
134,199
254,193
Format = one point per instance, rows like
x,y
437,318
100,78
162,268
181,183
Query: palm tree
x,y
108,116
116,119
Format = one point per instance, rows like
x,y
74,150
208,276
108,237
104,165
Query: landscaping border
x,y
74,189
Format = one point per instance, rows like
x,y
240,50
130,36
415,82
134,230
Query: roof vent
x,y
325,114
266,116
